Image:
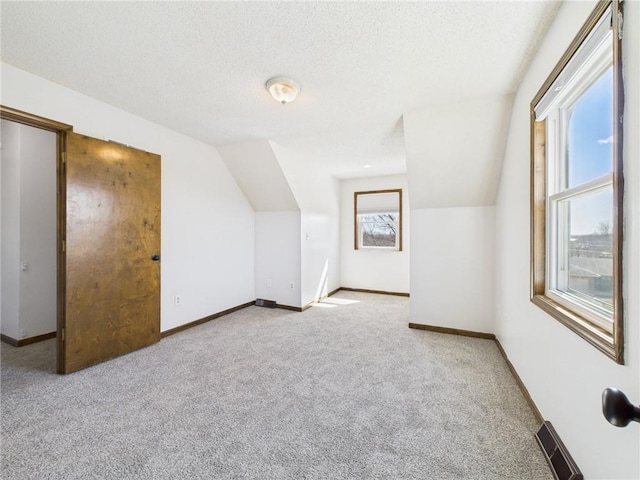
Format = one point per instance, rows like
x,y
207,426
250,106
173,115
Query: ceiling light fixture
x,y
366,166
283,89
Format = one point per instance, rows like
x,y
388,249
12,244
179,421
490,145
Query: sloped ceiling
x,y
259,176
200,67
455,151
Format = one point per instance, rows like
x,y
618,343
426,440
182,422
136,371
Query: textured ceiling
x,y
200,67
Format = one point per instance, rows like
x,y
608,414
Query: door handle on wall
x,y
617,408
155,257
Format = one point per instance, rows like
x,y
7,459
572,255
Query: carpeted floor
x,y
342,391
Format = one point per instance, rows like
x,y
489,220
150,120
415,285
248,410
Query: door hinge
x,y
64,246
62,335
63,157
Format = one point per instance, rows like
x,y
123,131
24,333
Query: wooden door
x,y
111,252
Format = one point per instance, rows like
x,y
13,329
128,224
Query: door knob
x,y
155,258
617,408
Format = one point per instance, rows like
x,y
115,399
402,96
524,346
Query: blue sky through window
x,y
590,151
591,132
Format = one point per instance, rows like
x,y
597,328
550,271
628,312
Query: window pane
x,y
590,248
378,219
590,135
576,242
379,230
378,202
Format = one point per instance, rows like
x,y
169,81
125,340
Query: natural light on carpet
x,y
334,302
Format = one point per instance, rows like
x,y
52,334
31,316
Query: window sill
x,y
597,337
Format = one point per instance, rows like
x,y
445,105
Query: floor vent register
x,y
556,454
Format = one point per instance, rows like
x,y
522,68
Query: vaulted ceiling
x,y
200,67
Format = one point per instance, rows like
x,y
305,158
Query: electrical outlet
x,y
291,286
23,333
177,300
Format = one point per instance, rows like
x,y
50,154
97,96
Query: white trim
x,y
590,312
588,64
583,67
396,224
583,189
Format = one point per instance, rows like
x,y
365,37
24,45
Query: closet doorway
x,y
107,246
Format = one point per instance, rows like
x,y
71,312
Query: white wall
x,y
452,267
277,257
10,239
563,373
374,269
38,232
320,260
455,151
29,223
207,223
454,157
317,193
258,173
315,190
278,180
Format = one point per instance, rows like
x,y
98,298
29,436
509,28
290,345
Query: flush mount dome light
x,y
283,89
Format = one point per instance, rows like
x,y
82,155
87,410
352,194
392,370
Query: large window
x,y
577,186
378,220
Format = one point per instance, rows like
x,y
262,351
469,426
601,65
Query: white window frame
x,y
593,51
376,247
557,124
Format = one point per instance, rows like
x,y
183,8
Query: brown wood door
x,y
112,232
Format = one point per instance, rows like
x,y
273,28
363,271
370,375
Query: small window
x,y
576,215
378,220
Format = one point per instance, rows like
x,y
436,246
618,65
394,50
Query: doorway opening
x,y
106,261
31,215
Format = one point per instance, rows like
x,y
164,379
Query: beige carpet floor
x,y
342,391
